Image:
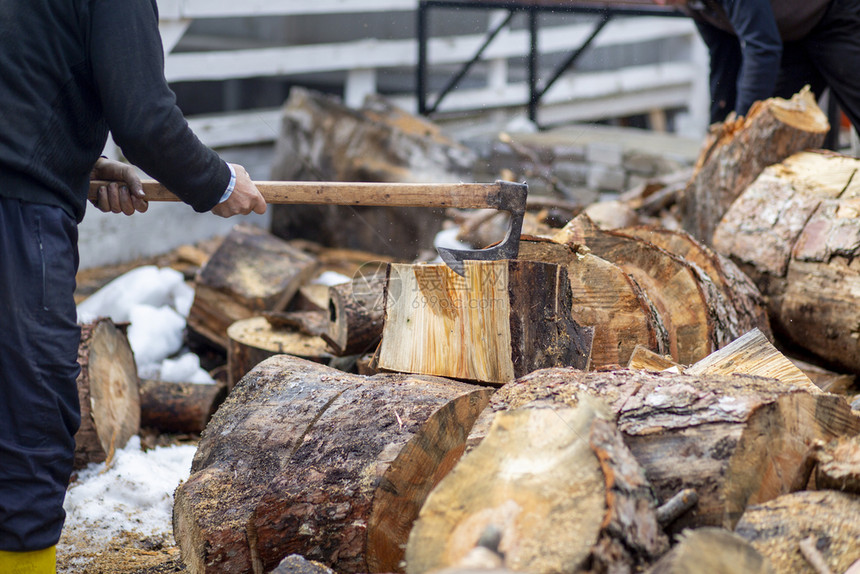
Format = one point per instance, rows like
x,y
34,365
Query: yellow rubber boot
x,y
35,562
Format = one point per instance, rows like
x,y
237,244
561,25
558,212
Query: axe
x,y
501,195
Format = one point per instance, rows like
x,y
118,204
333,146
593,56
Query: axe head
x,y
512,198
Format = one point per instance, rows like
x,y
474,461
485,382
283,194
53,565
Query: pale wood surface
x,y
712,551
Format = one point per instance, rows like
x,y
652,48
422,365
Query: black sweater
x,y
69,71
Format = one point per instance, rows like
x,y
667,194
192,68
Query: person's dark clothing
x,y
39,409
71,69
762,48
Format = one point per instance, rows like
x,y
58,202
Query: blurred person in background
x,y
70,70
765,48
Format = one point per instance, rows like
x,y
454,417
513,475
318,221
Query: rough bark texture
x,y
838,465
712,551
796,230
108,393
736,440
672,285
251,341
502,320
252,271
179,407
738,150
295,461
776,529
603,297
356,311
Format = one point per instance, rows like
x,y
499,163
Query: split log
x,y
796,230
304,459
712,551
753,354
310,323
647,360
356,312
838,465
179,407
604,297
741,305
736,440
108,393
492,325
827,381
672,285
777,528
737,151
251,341
252,271
557,501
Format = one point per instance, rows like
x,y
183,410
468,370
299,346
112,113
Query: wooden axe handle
x,y
463,195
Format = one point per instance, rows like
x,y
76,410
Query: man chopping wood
x,y
70,70
765,48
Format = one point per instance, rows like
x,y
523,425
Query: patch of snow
x,y
331,278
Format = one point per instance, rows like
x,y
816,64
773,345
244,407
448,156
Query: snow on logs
x,y
305,459
796,231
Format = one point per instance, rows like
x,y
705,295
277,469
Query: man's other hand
x,y
244,199
124,193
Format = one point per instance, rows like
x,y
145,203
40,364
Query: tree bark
x,y
252,271
555,500
604,297
504,319
179,407
777,527
305,459
736,440
251,341
356,312
108,393
739,149
796,229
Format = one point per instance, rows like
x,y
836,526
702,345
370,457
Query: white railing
x,y
575,97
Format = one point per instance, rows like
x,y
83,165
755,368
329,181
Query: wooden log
x,y
646,359
304,459
672,285
736,440
295,564
252,271
556,500
604,297
826,380
741,307
838,465
310,323
108,393
492,325
712,551
739,149
356,312
181,408
251,341
776,529
796,229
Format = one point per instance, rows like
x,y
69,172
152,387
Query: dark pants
x,y
39,337
828,56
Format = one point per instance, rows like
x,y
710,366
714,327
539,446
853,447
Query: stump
x,y
796,230
777,528
252,271
108,393
500,321
304,459
555,499
739,149
736,440
253,340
